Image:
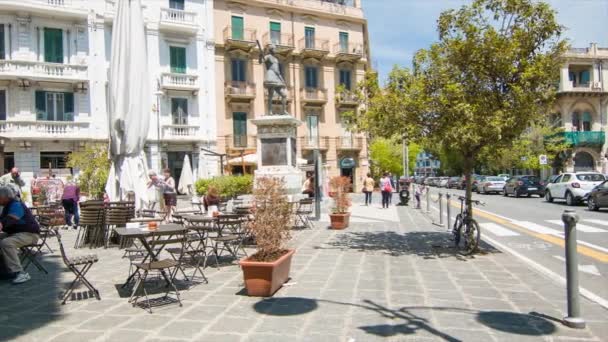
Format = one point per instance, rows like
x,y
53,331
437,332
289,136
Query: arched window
x,y
576,122
586,122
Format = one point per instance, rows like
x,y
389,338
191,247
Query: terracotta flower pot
x,y
263,279
339,221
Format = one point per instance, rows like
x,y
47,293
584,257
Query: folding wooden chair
x,y
79,265
303,212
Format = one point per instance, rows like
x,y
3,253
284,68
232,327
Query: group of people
x,y
162,190
386,188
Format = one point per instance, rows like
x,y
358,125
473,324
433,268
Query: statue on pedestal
x,y
273,80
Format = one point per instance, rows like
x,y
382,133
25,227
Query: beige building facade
x,y
323,47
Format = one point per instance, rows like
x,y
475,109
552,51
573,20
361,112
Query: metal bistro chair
x,y
231,233
302,214
160,240
30,253
117,214
91,226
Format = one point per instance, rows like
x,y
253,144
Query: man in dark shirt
x,y
18,228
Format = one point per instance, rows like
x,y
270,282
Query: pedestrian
x,y
18,228
418,193
69,201
387,190
368,188
13,180
393,186
211,201
169,194
308,188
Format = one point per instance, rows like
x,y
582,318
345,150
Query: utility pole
x,y
317,156
406,158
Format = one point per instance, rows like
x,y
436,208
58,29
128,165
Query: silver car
x,y
491,185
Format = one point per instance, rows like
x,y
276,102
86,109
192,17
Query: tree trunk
x,y
468,171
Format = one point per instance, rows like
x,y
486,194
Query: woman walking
x,y
368,188
169,193
387,190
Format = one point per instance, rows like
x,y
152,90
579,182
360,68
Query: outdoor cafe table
x,y
146,219
142,234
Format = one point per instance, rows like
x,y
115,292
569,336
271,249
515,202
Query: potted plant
x,y
268,269
340,216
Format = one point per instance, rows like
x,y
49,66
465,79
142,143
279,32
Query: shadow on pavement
x,y
429,245
516,323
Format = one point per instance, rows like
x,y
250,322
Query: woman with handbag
x,y
387,190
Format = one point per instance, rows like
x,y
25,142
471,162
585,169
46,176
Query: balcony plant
x,y
340,215
268,269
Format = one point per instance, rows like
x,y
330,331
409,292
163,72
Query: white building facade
x,y
54,62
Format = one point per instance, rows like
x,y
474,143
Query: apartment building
x,y
426,165
54,63
582,108
323,47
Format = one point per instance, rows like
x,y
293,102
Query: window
x,y
312,122
179,111
2,51
586,122
275,33
565,179
177,59
584,77
343,41
54,106
309,37
310,76
53,160
591,177
345,78
2,105
53,45
239,128
238,28
176,4
576,121
239,70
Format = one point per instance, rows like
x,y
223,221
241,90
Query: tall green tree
x,y
386,155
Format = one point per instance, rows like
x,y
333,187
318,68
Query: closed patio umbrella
x,y
186,178
129,103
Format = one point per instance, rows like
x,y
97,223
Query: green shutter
x,y
40,105
274,26
238,70
239,128
177,59
309,37
344,41
2,56
3,105
53,45
585,77
68,105
238,28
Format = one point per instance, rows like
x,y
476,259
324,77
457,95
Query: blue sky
x,y
398,28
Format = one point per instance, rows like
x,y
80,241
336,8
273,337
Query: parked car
x,y
504,176
598,197
524,186
573,186
443,182
463,182
454,183
491,184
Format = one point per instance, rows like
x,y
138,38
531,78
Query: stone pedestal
x,y
277,156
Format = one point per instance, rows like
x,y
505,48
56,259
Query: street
x,y
531,229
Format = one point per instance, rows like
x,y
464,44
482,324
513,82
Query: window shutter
x,y
40,105
68,105
315,82
177,59
274,26
2,56
53,45
234,69
585,77
237,28
176,4
3,105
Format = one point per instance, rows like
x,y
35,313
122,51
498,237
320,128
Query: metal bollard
x,y
428,201
447,199
574,319
440,209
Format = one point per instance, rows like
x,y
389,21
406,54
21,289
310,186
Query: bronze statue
x,y
273,80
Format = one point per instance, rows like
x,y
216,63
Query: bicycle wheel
x,y
471,237
456,230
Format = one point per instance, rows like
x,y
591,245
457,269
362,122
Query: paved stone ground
x,y
391,276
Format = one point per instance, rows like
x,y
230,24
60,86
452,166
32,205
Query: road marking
x,y
536,228
600,222
591,269
582,227
497,230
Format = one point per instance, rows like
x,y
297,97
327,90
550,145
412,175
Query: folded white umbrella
x,y
186,178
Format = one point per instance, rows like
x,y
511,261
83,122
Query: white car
x,y
491,184
573,186
443,182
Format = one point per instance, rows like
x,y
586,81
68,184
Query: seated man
x,y
18,228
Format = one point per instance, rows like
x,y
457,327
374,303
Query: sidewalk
x,y
391,276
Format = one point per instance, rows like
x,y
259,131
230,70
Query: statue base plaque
x,y
277,156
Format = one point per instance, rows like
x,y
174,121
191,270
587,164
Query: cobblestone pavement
x,y
391,276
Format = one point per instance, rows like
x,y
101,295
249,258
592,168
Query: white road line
x,y
600,222
537,228
582,227
497,229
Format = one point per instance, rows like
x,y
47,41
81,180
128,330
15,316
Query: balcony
x,y
42,130
276,98
239,91
350,143
173,81
312,143
589,138
313,96
241,39
41,71
180,133
349,52
62,9
314,48
589,88
283,42
346,99
175,20
350,8
239,143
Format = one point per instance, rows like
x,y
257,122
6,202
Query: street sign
x,y
542,159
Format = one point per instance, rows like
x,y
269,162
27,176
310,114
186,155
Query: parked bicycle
x,y
466,228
